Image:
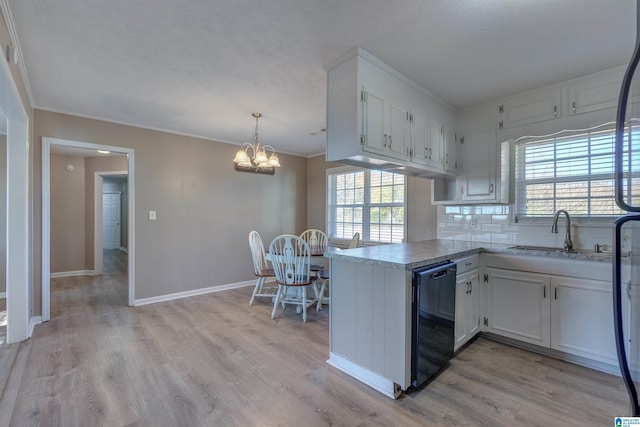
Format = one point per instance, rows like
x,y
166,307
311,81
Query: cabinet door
x,y
532,108
582,318
473,309
436,139
374,123
399,137
479,155
450,144
518,305
420,139
595,94
462,303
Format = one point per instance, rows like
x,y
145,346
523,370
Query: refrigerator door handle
x,y
617,312
620,120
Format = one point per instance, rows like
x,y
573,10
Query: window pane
x,y
573,173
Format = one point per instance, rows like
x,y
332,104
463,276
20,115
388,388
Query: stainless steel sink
x,y
558,250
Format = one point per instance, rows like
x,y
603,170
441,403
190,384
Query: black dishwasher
x,y
433,316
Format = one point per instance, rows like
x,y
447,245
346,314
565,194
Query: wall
x,y
421,215
205,208
67,214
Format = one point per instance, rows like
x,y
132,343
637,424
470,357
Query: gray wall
x,y
67,214
205,208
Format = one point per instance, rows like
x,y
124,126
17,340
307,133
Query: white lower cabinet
x,y
571,315
518,305
582,318
467,323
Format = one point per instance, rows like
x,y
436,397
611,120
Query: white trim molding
x,y
33,322
373,380
123,249
46,214
3,294
72,273
201,291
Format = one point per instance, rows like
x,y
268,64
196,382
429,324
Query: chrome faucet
x,y
568,244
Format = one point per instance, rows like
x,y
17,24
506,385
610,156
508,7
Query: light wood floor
x,y
212,360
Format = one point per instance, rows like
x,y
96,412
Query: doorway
x,y
47,145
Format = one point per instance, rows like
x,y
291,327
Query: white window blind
x,y
575,173
369,202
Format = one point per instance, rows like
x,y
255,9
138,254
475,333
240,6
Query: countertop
x,y
408,256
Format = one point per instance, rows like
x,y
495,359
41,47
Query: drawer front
x,y
467,264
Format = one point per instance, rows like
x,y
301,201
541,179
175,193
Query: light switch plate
x,y
152,215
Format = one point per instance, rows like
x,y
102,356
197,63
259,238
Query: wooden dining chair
x,y
291,261
316,239
355,240
265,284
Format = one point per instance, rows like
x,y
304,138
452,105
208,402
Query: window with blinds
x,y
575,173
369,202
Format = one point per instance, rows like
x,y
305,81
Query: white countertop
x,y
417,254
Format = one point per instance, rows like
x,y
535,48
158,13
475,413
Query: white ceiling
x,y
202,67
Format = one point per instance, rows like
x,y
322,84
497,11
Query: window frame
x,y
520,183
365,236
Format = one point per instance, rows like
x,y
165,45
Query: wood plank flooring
x,y
212,360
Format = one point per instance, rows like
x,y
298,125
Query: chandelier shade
x,y
253,157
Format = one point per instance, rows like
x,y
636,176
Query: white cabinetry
x,y
530,108
582,318
467,308
594,94
467,323
378,118
450,150
572,315
483,170
518,306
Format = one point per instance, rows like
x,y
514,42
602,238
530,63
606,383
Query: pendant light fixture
x,y
259,161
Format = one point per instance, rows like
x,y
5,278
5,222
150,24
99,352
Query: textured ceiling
x,y
201,67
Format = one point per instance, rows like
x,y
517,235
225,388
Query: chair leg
x,y
257,289
277,300
304,304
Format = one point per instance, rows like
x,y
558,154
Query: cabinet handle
x,y
574,107
491,188
446,159
386,138
555,293
555,111
390,141
544,291
470,287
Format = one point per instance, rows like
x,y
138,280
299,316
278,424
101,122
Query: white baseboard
x,y
3,294
185,294
123,249
373,380
32,324
73,273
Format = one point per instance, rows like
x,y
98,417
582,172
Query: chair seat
x,y
267,273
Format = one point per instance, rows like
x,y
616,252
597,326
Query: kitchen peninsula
x,y
371,303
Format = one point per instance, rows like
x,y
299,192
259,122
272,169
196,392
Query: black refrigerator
x,y
626,293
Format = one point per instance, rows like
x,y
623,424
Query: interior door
x,y
111,220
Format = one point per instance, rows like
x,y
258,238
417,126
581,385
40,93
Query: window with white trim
x,y
370,202
575,173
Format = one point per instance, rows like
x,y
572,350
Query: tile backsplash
x,y
495,224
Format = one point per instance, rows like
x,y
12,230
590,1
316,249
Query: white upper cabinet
x,y
594,94
531,108
479,156
378,118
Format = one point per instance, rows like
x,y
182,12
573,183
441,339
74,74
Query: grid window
x,y
574,173
369,202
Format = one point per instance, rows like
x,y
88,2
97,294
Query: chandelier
x,y
259,161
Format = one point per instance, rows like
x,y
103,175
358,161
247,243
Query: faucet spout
x,y
568,244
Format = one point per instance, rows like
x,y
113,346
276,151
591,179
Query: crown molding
x,y
13,36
